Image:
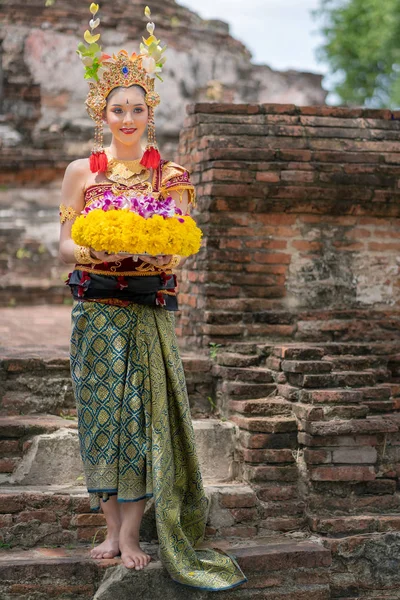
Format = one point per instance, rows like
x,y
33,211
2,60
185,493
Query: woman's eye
x,y
138,110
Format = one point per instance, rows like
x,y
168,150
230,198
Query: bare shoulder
x,y
78,168
75,178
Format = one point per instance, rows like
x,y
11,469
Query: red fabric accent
x,y
151,158
84,277
122,282
94,162
98,162
160,300
164,278
68,278
103,162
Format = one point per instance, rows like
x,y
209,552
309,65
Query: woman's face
x,y
126,115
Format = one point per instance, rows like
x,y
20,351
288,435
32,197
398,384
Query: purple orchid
x,y
145,206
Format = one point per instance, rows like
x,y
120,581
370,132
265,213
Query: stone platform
x,y
306,439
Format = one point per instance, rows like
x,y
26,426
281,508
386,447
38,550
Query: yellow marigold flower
x,y
94,8
125,231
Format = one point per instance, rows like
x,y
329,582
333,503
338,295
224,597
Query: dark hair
x,y
135,85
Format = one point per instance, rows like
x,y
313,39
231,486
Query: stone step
x,y
38,380
267,455
356,363
243,391
228,359
266,407
245,348
44,449
277,567
349,525
266,424
245,375
17,427
345,395
370,425
376,497
354,378
258,474
360,349
32,515
306,366
333,379
298,352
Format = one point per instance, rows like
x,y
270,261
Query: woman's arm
x,y
73,197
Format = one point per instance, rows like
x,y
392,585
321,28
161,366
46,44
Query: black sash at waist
x,y
153,290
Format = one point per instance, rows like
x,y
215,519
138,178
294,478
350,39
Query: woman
x,y
134,422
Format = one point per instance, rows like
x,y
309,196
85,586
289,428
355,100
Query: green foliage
x,y
362,48
212,403
23,253
214,350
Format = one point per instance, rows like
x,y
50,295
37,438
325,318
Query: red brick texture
x,y
300,211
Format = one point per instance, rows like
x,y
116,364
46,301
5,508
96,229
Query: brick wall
x,y
300,210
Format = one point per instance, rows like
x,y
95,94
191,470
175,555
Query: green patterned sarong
x,y
136,432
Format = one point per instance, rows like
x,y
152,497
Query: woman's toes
x,y
129,562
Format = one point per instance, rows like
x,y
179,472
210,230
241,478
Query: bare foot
x,y
132,555
108,549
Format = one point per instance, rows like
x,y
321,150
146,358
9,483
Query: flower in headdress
x,y
153,59
89,38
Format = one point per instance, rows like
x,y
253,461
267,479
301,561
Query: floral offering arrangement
x,y
139,225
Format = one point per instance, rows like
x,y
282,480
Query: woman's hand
x,y
105,257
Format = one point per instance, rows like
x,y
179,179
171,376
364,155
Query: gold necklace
x,y
126,172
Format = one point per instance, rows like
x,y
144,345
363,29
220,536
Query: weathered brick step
x,y
266,407
298,352
245,348
333,379
18,432
21,426
356,363
359,349
277,567
376,497
228,359
259,474
48,450
347,525
306,366
38,381
379,393
369,425
266,424
354,378
245,375
240,390
32,515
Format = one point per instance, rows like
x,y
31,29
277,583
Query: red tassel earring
x,y
151,157
98,159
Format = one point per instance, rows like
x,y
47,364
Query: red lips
x,y
128,131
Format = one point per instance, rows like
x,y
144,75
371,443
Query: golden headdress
x,y
105,73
